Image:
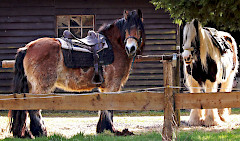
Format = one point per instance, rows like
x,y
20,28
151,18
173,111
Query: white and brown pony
x,y
40,68
207,68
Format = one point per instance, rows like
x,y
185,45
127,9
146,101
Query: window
x,y
79,25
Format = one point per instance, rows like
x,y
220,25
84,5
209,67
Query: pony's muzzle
x,y
131,47
187,56
188,60
131,50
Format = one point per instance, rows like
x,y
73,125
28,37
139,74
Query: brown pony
x,y
39,69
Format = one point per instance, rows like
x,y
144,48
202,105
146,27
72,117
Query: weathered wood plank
x,y
207,100
147,77
8,63
124,101
167,131
38,11
102,4
144,83
160,48
26,19
139,87
161,31
161,36
21,33
155,71
26,3
47,25
160,42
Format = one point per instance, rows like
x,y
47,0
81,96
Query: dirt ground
x,y
69,126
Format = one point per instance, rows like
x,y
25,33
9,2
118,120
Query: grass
x,y
232,135
48,113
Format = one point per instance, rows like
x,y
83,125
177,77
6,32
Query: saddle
x,y
92,51
218,41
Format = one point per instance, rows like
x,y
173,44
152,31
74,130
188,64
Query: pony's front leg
x,y
196,115
105,121
37,126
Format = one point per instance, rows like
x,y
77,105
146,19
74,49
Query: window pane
x,y
75,21
60,31
62,21
76,32
85,31
87,20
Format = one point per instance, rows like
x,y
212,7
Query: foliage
x,y
223,14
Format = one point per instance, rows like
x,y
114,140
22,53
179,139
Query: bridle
x,y
139,41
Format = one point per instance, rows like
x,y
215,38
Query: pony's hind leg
x,y
18,124
40,86
37,126
226,87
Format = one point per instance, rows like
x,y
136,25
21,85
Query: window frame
x,y
68,27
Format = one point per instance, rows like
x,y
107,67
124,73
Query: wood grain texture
x,y
97,101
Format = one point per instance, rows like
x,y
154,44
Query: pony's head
x,y
133,32
191,43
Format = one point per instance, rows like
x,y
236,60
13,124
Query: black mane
x,y
133,19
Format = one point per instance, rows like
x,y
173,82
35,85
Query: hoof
x,y
39,132
24,134
210,122
195,122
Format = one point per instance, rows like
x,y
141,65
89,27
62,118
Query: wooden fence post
x,y
167,133
176,82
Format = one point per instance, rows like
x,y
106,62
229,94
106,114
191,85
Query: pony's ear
x,y
140,14
125,14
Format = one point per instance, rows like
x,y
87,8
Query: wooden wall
x,y
23,22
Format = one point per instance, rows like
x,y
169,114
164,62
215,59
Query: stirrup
x,y
97,79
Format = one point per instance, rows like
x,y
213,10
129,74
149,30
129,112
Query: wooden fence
x,y
168,100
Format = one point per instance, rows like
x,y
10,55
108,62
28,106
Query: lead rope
x,y
132,63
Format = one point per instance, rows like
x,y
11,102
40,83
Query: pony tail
x,y
20,84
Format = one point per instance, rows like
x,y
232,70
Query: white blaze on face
x,y
131,46
189,34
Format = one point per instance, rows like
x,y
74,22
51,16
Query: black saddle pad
x,y
77,59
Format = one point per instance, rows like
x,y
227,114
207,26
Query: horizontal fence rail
x,y
97,101
118,101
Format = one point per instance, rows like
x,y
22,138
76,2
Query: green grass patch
x,y
49,113
231,135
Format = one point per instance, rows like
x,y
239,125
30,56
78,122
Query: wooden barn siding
x,y
22,23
